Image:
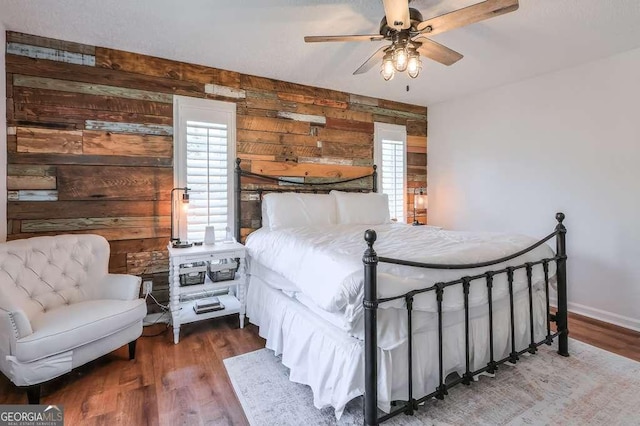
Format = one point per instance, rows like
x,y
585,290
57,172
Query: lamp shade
x,y
420,201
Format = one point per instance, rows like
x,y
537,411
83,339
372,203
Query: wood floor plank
x,y
187,383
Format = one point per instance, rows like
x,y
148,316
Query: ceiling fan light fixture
x,y
400,58
414,65
387,70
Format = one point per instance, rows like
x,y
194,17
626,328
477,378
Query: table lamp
x,y
419,202
175,242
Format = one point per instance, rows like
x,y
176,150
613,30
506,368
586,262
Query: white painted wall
x,y
509,158
3,137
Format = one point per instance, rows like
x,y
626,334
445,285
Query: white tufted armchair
x,y
60,308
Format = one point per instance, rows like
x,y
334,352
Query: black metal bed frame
x,y
371,301
291,186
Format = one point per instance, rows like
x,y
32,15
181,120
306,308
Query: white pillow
x,y
291,209
362,208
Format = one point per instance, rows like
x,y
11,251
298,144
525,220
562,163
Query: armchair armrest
x,y
120,287
13,326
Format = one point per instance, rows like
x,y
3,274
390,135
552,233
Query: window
x,y
204,161
389,153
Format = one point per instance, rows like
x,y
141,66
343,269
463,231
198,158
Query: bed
x,y
437,308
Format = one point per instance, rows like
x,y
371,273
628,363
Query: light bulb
x,y
387,69
414,66
400,56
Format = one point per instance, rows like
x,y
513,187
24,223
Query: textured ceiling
x,y
266,38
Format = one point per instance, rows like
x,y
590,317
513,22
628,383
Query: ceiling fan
x,y
405,28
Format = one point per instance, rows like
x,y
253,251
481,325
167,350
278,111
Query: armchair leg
x,y
132,349
33,394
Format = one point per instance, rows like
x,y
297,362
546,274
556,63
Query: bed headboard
x,y
264,184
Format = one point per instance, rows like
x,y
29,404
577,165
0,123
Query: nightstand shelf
x,y
187,315
182,311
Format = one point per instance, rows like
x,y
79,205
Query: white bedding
x,y
323,356
325,263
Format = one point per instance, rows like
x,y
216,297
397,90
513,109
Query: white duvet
x,y
325,263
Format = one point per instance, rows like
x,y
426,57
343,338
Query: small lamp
x,y
175,242
419,202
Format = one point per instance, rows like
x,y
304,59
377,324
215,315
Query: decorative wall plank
x,y
79,209
415,159
32,195
272,125
417,144
95,75
386,111
257,136
350,125
316,170
345,114
30,170
416,109
89,88
159,67
268,103
224,91
312,100
114,183
94,160
325,160
147,262
109,234
416,127
31,139
31,182
27,95
39,52
337,149
61,225
13,37
136,246
356,138
53,114
316,119
363,100
145,129
278,151
124,144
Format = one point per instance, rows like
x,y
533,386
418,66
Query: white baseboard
x,y
599,314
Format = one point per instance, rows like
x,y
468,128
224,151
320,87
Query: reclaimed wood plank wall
x,y
90,140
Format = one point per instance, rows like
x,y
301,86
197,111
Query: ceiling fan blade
x,y
397,13
367,37
372,61
437,52
468,15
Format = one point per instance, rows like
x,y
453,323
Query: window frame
x,y
395,132
185,109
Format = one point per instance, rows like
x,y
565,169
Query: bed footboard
x,y
371,303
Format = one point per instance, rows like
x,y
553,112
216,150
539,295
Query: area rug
x,y
591,387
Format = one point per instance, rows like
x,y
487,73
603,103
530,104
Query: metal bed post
x,y
238,190
370,260
374,186
561,315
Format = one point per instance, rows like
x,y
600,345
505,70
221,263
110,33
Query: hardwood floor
x,y
187,384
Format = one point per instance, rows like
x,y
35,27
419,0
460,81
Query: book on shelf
x,y
207,304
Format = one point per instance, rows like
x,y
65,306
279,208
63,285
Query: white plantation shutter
x,y
207,179
392,177
390,142
204,161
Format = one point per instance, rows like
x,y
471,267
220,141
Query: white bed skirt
x,y
331,362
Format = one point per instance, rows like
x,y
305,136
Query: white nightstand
x,y
234,302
